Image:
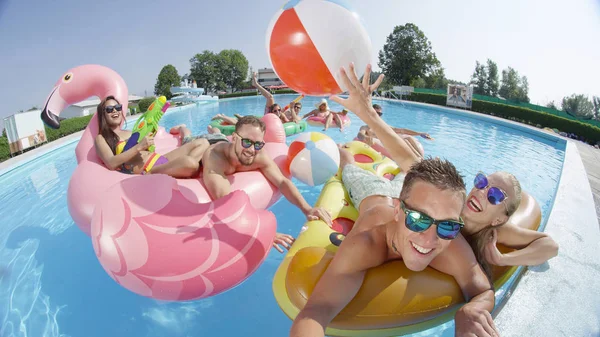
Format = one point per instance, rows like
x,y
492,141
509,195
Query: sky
x,y
553,43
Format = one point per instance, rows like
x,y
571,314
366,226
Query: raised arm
x,y
263,91
112,161
475,316
533,247
336,288
359,102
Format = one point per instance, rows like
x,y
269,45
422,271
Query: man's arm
x,y
533,247
475,316
290,191
337,287
214,178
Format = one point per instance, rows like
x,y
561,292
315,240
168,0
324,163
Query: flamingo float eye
x,y
68,77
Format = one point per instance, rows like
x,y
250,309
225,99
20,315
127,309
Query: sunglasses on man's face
x,y
419,222
111,108
246,143
495,195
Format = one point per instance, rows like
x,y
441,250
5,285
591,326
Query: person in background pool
x,y
488,207
322,111
368,136
292,112
338,119
179,163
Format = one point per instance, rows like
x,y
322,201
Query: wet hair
x,y
104,129
438,172
250,120
298,104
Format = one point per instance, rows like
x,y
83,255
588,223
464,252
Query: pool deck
x,y
557,296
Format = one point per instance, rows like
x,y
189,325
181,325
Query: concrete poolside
x,y
553,299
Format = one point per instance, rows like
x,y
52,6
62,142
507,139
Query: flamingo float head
x,y
79,83
74,86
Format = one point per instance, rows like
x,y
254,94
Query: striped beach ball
x,y
313,158
309,40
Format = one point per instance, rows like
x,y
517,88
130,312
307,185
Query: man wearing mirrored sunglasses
x,y
426,220
244,153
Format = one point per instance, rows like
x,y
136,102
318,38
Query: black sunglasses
x,y
419,222
111,108
246,143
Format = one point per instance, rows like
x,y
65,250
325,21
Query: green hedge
x,y
524,115
256,93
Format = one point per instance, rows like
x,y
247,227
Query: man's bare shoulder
x,y
365,249
456,258
215,155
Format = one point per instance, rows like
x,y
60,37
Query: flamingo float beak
x,y
48,117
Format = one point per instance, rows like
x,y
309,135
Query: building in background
x,y
267,77
88,107
24,130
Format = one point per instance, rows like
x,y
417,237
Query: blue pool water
x,y
51,283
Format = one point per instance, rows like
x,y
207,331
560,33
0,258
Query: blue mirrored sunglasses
x,y
419,222
495,195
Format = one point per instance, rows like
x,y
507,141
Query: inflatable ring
x,y
159,236
290,128
393,300
320,121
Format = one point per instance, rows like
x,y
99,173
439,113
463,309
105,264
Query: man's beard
x,y
246,161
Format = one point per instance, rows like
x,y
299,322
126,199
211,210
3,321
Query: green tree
x,y
436,79
407,55
204,70
514,87
552,105
578,106
479,79
492,83
524,90
167,78
232,67
596,101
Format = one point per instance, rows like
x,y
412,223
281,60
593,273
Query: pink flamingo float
x,y
159,236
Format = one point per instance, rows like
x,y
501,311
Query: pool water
x,y
51,283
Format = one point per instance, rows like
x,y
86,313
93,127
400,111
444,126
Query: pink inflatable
x,y
169,248
152,200
320,121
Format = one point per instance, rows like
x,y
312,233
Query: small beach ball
x,y
313,158
309,40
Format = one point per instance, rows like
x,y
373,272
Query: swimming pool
x,y
51,283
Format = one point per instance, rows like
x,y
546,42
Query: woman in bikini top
x,y
183,162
